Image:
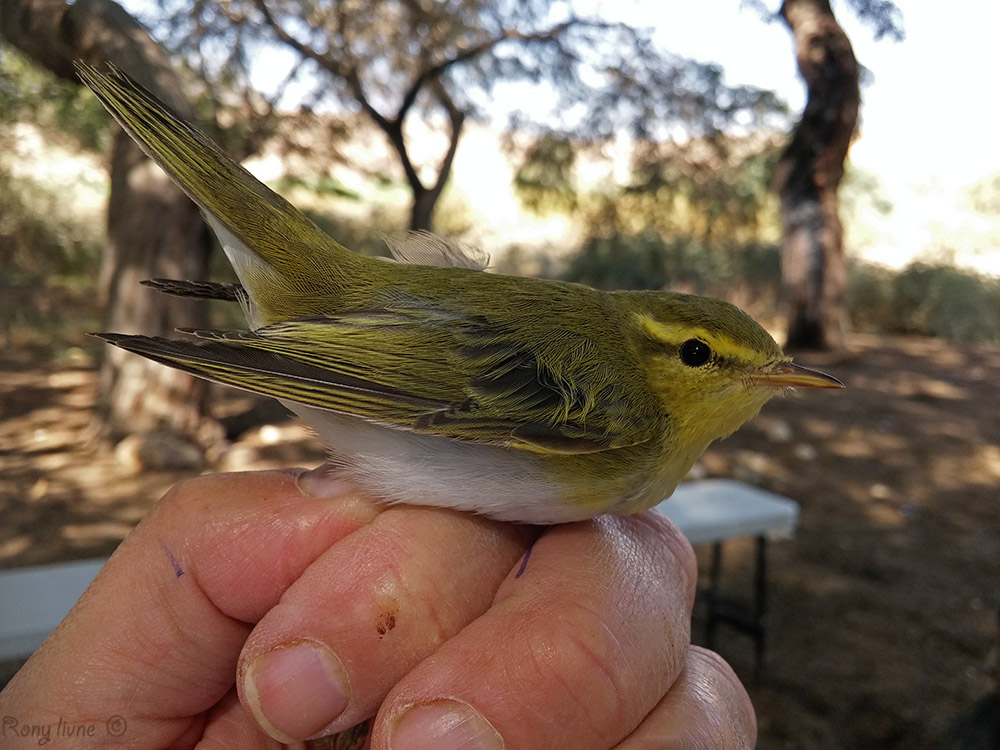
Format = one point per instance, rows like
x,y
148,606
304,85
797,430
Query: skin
x,y
254,606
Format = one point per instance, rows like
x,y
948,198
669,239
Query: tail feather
x,y
280,255
198,289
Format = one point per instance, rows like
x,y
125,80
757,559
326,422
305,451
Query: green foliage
x,y
49,257
714,192
324,185
949,302
643,261
717,189
545,180
50,264
862,191
984,196
648,261
870,303
699,217
931,299
28,92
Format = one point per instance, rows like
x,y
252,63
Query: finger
x,y
706,709
573,653
367,611
160,629
228,725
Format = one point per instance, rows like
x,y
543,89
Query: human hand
x,y
244,602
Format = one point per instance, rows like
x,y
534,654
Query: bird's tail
x,y
287,264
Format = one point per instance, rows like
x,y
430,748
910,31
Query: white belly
x,y
404,467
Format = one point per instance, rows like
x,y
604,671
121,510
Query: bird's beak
x,y
788,375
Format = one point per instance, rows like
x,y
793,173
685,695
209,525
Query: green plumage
x,y
526,399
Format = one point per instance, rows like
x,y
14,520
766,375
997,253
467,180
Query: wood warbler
x,y
523,399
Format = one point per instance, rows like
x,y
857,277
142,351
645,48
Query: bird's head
x,y
711,365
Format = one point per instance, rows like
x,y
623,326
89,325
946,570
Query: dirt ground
x,y
883,606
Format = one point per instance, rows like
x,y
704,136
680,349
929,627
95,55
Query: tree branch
x,y
328,63
457,119
437,70
323,60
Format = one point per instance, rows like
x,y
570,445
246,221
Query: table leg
x,y
712,595
752,619
760,608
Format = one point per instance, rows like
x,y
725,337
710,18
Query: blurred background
x,y
832,170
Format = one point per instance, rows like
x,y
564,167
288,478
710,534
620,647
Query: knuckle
x,y
671,550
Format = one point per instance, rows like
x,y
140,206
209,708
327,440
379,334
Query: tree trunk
x,y
422,210
153,229
814,274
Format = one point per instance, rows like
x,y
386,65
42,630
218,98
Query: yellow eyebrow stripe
x,y
675,334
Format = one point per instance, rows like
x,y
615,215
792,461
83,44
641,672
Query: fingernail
x,y
324,481
296,689
444,725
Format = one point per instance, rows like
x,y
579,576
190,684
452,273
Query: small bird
x,y
435,383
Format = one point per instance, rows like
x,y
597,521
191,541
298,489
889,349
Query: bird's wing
x,y
431,372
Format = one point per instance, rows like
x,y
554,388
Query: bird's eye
x,y
695,353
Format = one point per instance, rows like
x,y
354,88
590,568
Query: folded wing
x,y
428,371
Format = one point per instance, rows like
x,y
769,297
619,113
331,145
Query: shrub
x,y
932,299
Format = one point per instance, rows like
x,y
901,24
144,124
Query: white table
x,y
714,510
34,600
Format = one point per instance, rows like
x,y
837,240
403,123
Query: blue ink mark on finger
x,y
178,570
524,561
